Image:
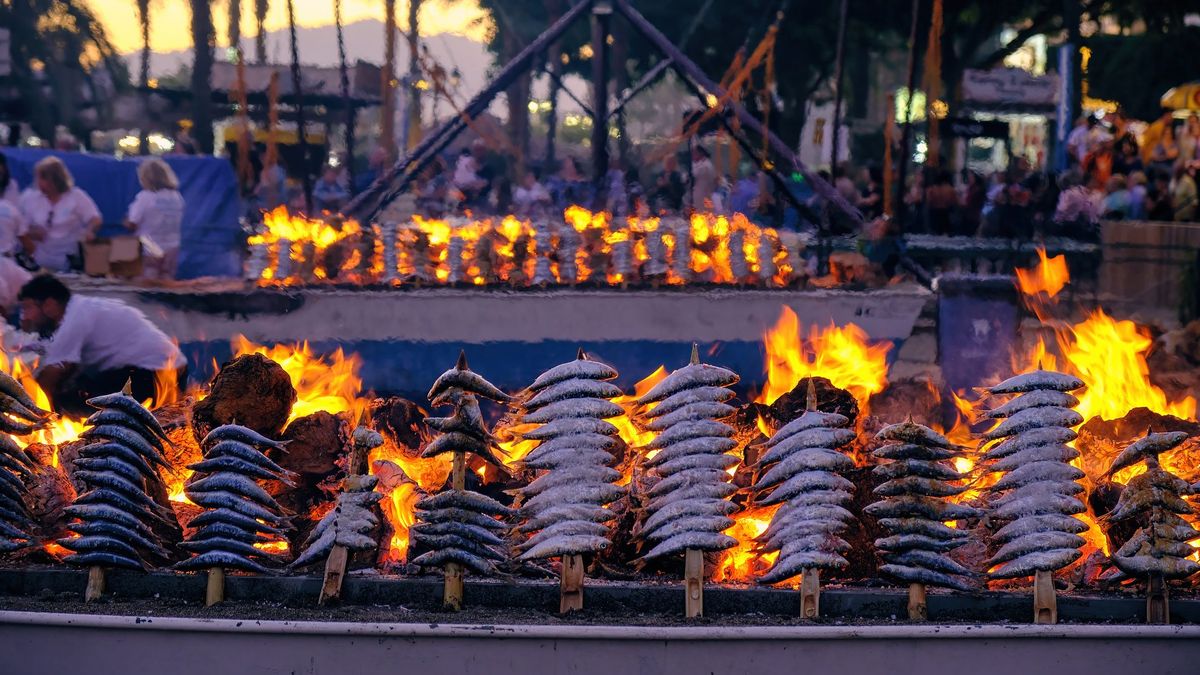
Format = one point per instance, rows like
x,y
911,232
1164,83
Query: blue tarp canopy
x,y
211,232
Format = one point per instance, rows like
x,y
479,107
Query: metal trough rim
x,y
601,632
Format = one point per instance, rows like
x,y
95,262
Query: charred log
x,y
252,391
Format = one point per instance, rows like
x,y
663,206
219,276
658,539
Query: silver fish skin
x,y
689,524
594,493
104,559
1149,446
799,513
571,389
787,567
579,369
920,575
915,485
685,431
686,508
120,453
228,531
1037,472
898,452
565,545
1037,453
121,419
464,499
458,424
807,535
1141,544
576,442
107,464
131,407
128,438
702,410
707,445
570,476
684,479
464,530
101,495
784,528
12,532
12,388
316,549
1159,478
104,512
17,409
570,426
10,546
99,544
12,426
462,516
1035,380
1034,399
453,555
911,432
240,466
1035,418
812,438
1029,439
236,519
691,376
237,484
667,469
457,442
806,459
688,397
595,408
806,484
228,500
438,542
1133,502
561,512
466,380
919,542
820,498
1037,505
566,527
241,434
920,507
1026,565
811,419
712,490
701,541
229,545
1170,568
116,482
928,560
916,467
825,543
223,559
244,452
1036,541
10,450
567,458
1066,488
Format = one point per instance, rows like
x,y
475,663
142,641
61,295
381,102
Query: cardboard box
x,y
117,256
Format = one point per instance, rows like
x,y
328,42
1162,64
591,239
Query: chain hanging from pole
x,y
347,104
298,92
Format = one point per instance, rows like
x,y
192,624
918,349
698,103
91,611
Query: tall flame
x,y
1049,276
331,383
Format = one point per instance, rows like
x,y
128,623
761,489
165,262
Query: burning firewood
x,y
1043,535
241,523
689,506
914,511
800,464
251,390
564,506
458,525
16,522
115,512
1159,549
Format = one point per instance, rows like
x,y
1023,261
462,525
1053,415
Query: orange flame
x,y
330,383
742,562
842,355
1048,277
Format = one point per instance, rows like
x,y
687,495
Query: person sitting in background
x,y
329,193
1165,152
1158,198
1137,195
58,216
272,185
1116,199
704,179
9,191
940,201
1183,193
1126,159
530,198
94,346
1189,140
156,214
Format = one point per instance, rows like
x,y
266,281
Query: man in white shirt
x,y
95,345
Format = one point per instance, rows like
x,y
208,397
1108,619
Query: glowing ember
x,y
842,355
743,562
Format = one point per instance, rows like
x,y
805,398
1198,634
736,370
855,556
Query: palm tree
x,y
144,74
202,44
260,20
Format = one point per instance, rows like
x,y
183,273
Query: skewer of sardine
x,y
462,378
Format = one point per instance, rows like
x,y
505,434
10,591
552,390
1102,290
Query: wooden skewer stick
x,y
95,584
1045,603
452,594
339,556
693,575
215,591
810,593
570,589
917,608
1158,602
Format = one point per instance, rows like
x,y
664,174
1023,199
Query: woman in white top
x,y
58,215
156,214
9,190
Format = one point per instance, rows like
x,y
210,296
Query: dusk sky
x,y
171,19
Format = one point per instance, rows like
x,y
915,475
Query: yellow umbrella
x,y
1183,97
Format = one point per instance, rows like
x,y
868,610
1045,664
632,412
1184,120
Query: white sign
x,y
5,52
1009,86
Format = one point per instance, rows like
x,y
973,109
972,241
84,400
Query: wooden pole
x,y
215,591
889,135
693,574
917,608
837,85
601,20
335,565
298,92
810,593
1158,604
570,589
452,594
906,134
95,584
1045,603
